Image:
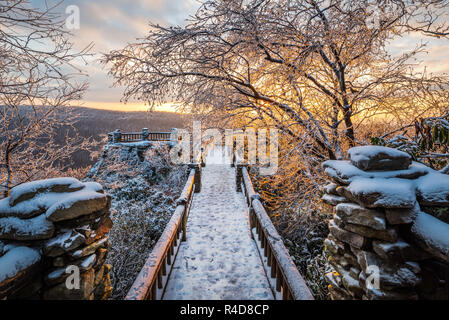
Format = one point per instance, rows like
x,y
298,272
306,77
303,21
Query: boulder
x,y
331,188
432,235
90,249
370,158
333,200
77,204
391,275
38,228
29,190
331,247
17,267
56,276
356,214
402,216
343,172
351,238
399,251
433,190
383,193
63,243
61,292
389,234
101,228
101,258
104,289
99,276
59,262
352,284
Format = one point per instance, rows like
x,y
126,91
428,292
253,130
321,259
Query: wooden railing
x,y
286,282
152,279
130,137
126,137
159,136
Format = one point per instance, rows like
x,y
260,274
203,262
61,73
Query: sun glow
x,y
130,106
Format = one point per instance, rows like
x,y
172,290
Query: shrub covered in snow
x,y
144,186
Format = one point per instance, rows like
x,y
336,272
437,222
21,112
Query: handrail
x,y
151,282
159,264
279,266
117,136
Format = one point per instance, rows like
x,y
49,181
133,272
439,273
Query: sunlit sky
x,y
112,24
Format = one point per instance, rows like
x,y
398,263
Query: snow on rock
x,y
331,188
383,193
17,260
88,262
28,190
344,172
45,196
433,232
63,243
333,200
433,189
93,186
76,204
38,228
353,213
379,158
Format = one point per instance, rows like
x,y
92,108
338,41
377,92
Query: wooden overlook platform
x,y
220,243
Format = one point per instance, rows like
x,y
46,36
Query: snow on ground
x,y
219,260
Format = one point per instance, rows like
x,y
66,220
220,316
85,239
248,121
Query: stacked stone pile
x,y
389,237
53,241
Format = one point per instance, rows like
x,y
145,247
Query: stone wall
x,y
53,241
389,236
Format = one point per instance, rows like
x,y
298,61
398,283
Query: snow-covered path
x,y
219,260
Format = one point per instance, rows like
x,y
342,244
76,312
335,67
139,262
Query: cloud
x,y
112,24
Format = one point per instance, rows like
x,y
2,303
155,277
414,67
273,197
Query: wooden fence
x,y
285,280
127,137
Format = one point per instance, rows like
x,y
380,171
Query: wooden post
x,y
197,167
145,134
238,177
117,136
203,163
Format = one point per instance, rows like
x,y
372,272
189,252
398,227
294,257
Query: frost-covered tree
x,y
38,80
319,70
316,69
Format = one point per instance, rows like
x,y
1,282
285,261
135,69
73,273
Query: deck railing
x,y
286,282
126,137
153,278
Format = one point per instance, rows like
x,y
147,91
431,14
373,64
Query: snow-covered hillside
x,y
144,186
